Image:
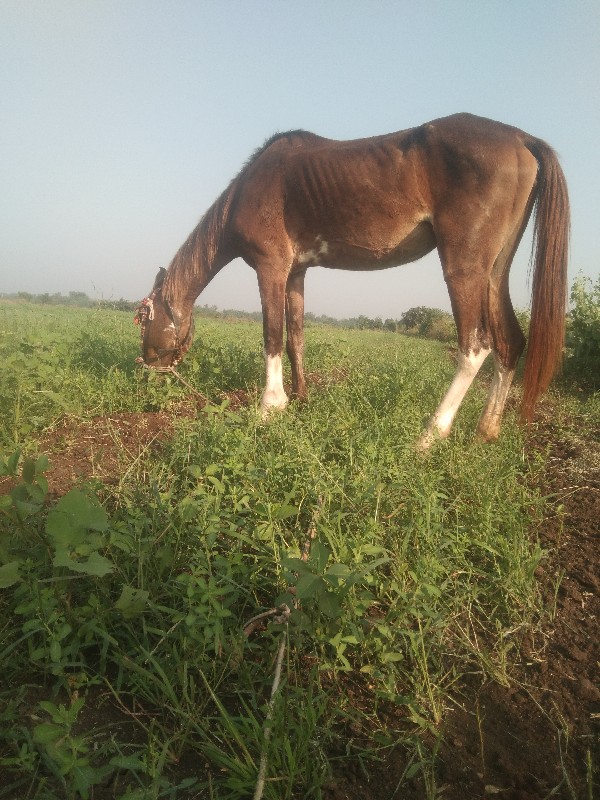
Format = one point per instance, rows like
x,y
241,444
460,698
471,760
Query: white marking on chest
x,y
321,248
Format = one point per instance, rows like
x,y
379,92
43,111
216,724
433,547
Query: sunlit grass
x,y
402,570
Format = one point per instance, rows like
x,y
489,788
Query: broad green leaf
x,y
47,732
320,552
21,501
284,511
37,491
29,470
329,604
9,467
128,762
41,465
95,565
9,574
390,657
98,566
85,775
55,651
366,568
338,571
132,601
73,514
219,486
309,585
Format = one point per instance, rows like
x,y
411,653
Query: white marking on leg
x,y
441,422
488,426
274,395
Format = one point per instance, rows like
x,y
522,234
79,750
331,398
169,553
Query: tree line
x,y
419,320
76,299
582,346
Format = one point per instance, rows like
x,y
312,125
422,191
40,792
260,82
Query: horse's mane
x,y
295,138
202,245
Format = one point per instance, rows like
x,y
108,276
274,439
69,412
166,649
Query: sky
x,y
121,121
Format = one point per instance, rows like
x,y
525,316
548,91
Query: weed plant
x,y
401,571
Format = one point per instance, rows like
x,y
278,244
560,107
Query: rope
x,y
198,394
283,615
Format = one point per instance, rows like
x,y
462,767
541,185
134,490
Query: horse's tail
x,y
549,286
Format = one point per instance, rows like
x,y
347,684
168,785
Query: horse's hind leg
x,y
294,318
508,342
440,424
467,290
488,426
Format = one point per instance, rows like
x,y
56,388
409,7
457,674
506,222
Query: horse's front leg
x,y
294,318
272,295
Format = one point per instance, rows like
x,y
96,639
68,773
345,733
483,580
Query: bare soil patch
x,y
106,447
541,734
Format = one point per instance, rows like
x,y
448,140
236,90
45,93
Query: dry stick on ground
x,y
312,531
262,770
283,615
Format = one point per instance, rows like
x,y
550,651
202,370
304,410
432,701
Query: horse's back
x,y
372,193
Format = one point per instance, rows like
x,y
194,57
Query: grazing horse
x,y
464,184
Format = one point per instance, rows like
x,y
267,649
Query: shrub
x,y
417,319
432,323
441,328
583,333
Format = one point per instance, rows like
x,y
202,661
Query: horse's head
x,y
166,337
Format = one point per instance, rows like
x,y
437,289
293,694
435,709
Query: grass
x,y
416,569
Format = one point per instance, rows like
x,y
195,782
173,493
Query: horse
x,y
464,184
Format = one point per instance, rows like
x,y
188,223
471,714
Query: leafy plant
x,y
583,333
67,754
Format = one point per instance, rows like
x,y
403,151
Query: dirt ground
x,y
539,736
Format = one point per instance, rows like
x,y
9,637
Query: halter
x,y
144,314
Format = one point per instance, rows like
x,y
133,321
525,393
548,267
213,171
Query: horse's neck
x,y
193,268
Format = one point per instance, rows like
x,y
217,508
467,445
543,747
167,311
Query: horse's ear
x,y
160,278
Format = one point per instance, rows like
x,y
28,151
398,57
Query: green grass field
x,y
401,572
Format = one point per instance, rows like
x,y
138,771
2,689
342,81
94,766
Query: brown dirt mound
x,y
103,448
106,448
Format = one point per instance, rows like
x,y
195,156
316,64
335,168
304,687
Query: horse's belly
x,y
364,252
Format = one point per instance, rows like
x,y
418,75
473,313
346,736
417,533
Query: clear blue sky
x,y
122,120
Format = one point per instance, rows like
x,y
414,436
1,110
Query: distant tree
x,y
79,299
415,317
117,305
432,323
420,318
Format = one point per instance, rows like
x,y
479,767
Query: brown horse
x,y
463,184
